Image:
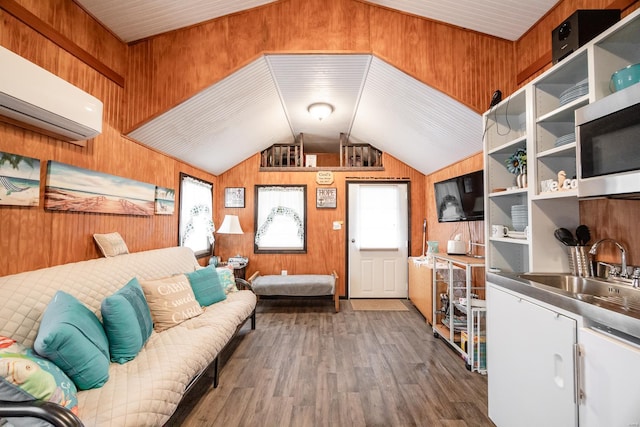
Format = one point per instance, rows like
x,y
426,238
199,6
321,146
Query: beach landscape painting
x,y
165,201
19,180
70,188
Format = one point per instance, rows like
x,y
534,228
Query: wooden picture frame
x,y
234,197
326,197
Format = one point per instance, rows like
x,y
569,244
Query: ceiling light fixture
x,y
320,110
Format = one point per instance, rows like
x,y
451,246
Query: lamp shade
x,y
230,225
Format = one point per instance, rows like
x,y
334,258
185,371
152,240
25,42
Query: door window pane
x,y
379,216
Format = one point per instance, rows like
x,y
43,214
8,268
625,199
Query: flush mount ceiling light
x,y
320,110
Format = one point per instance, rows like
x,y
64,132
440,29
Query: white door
x,y
378,240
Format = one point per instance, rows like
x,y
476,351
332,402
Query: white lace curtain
x,y
280,218
196,207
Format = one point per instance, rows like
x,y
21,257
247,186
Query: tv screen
x,y
461,198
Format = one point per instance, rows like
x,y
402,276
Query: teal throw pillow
x,y
25,376
127,321
206,286
73,338
227,279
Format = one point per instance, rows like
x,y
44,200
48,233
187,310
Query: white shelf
x,y
567,150
522,191
509,240
562,194
510,146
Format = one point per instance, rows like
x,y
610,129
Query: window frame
x,y
256,226
210,244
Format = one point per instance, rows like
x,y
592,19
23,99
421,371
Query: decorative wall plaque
x,y
324,177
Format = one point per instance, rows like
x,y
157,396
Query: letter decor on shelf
x,y
561,184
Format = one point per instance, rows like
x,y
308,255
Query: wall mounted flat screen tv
x,y
461,198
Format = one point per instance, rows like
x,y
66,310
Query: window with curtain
x,y
280,219
196,215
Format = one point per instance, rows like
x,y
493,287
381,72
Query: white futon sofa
x,y
146,390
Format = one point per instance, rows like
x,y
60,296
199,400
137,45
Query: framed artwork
x,y
71,188
234,197
326,198
165,201
19,180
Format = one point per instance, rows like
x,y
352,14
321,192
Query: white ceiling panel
x,y
266,102
507,19
224,124
137,19
415,123
306,79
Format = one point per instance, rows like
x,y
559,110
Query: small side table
x,y
239,272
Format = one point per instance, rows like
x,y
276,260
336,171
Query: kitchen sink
x,y
616,296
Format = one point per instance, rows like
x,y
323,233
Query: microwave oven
x,y
608,146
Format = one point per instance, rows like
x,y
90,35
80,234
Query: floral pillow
x,y
25,376
227,279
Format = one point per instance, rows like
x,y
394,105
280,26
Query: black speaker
x,y
578,29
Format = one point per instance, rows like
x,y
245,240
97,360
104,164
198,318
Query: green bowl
x,y
626,77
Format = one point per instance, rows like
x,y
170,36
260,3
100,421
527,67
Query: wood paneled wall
x,y
326,248
167,69
442,232
31,237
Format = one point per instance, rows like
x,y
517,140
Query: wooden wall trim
x,y
538,65
31,20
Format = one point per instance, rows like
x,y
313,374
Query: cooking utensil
x,y
583,235
565,236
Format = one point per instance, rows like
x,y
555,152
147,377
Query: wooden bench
x,y
296,285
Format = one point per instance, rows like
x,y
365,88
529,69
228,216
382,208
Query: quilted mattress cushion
x,y
147,390
294,285
24,296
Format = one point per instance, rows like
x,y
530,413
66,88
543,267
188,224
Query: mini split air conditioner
x,y
33,98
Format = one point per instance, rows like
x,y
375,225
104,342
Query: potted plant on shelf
x,y
517,164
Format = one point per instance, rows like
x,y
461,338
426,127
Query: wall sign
x,y
324,177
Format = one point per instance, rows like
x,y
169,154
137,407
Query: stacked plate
x,y
574,92
519,217
565,139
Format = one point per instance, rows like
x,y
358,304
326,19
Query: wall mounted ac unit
x,y
33,98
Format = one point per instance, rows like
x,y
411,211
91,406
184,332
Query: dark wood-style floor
x,y
306,365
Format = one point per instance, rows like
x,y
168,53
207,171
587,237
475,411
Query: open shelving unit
x,y
456,322
540,117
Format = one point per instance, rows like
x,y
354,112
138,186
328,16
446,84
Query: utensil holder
x,y
579,262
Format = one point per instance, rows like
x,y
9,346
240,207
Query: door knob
x,y
353,240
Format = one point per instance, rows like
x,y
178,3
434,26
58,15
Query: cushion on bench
x,y
295,285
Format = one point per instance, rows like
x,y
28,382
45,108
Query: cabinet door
x,y
530,361
610,379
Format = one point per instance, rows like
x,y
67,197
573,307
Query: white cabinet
x,y
609,380
540,118
530,360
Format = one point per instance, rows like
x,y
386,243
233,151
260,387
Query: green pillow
x,y
73,338
127,321
24,377
206,286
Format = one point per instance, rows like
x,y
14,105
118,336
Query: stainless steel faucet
x,y
623,254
